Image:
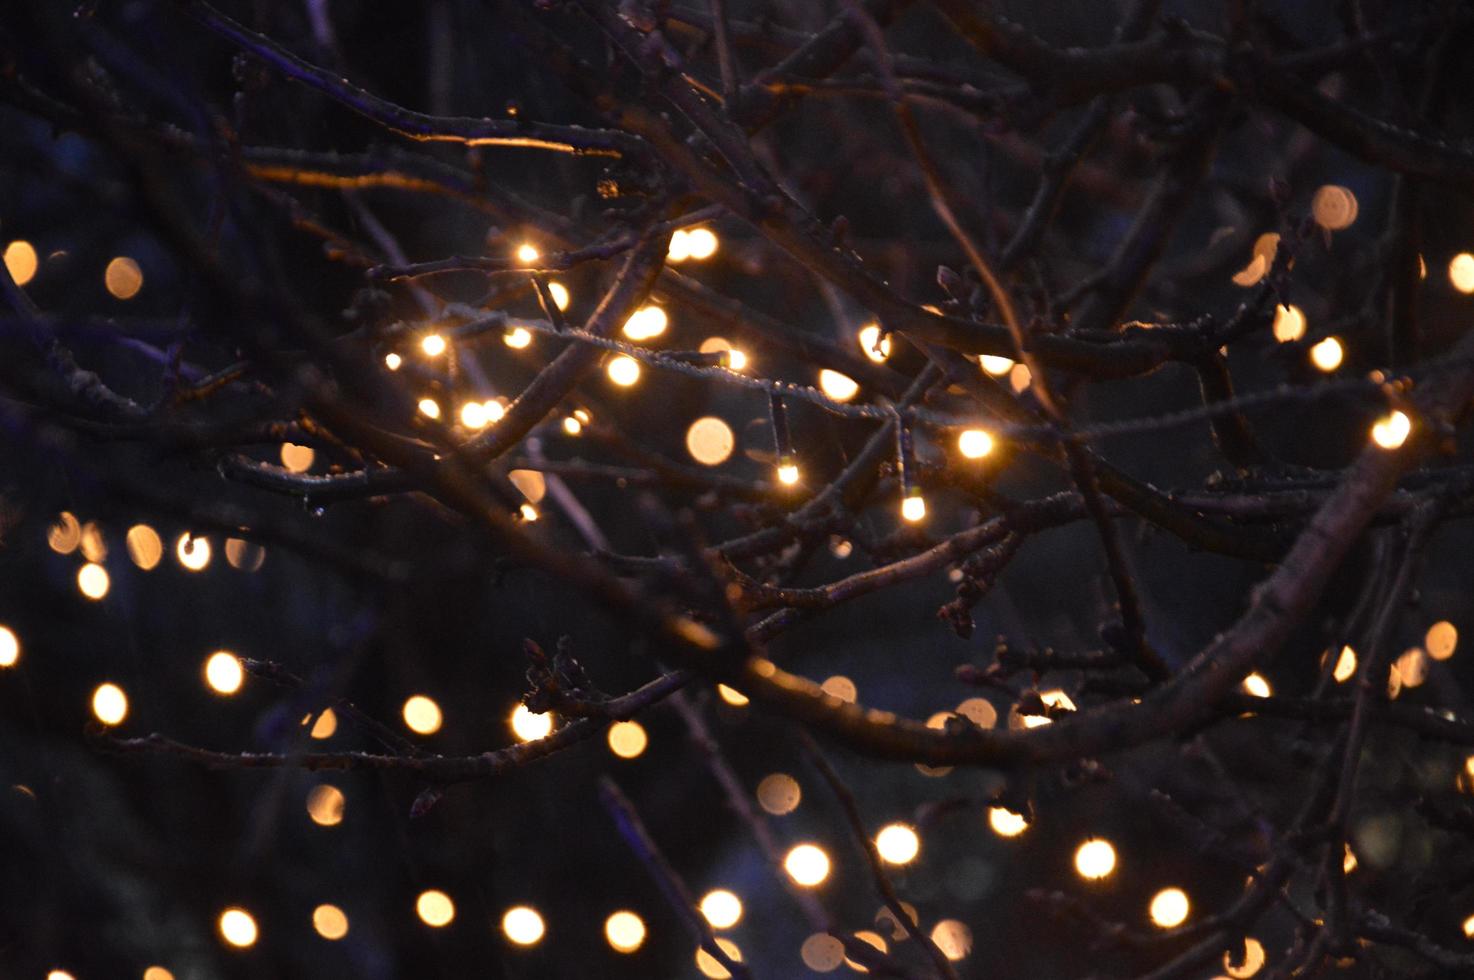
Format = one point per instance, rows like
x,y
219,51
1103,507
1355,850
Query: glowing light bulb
x,y
995,365
1005,822
625,931
913,507
807,865
840,387
1391,431
1169,908
572,426
528,512
529,727
1345,667
731,695
624,371
473,415
787,471
433,345
527,253
710,441
238,928
223,672
645,323
435,908
145,546
523,925
1328,354
779,794
627,739
875,346
897,843
1095,859
711,967
953,938
1255,685
9,647
123,278
429,408
325,805
1251,963
1461,272
422,715
21,261
559,292
1441,640
701,243
392,361
735,359
679,249
93,581
109,704
517,338
1289,323
975,443
330,922
295,458
721,908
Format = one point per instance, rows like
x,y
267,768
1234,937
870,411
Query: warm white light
x,y
995,365
145,546
875,346
1289,323
1251,963
330,922
238,928
559,292
953,938
392,361
1054,698
869,938
473,415
325,805
530,727
1391,431
788,473
527,253
223,672
807,865
840,387
1169,908
679,249
93,581
1345,667
975,443
736,360
897,843
123,278
295,458
529,512
1095,859
1328,354
1441,640
109,704
624,370
1461,272
1257,686
1005,822
522,925
731,695
701,243
435,908
9,647
712,968
429,408
517,338
645,323
422,715
433,344
572,426
710,441
627,739
625,931
721,908
913,507
21,261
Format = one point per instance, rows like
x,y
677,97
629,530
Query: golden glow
x,y
1005,822
979,711
913,507
572,426
875,346
392,361
1461,272
1052,699
953,938
870,939
1345,667
1348,863
1257,686
473,415
429,407
822,953
1169,908
145,546
731,695
1392,430
1334,207
840,387
517,338
245,555
330,922
1441,640
1251,963
435,908
624,370
522,925
735,360
9,647
779,794
559,292
1095,859
422,715
710,441
721,908
625,931
995,365
109,704
223,672
295,458
1411,668
530,483
1328,354
21,261
897,843
708,964
679,249
701,243
1289,323
1265,247
92,581
527,253
94,548
646,323
528,512
192,551
432,344
840,687
529,727
1019,378
627,739
975,443
807,865
65,535
325,805
1469,927
238,928
325,725
59,975
787,472
157,973
123,277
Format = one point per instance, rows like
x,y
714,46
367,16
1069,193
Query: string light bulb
x,y
527,253
1392,430
392,361
1328,354
624,370
913,506
433,345
975,443
877,346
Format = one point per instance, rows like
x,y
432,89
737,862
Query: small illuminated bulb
x,y
527,253
572,426
223,672
1461,272
779,794
840,387
559,292
528,512
522,925
840,687
701,243
529,727
59,975
9,647
822,953
1095,859
995,365
330,922
238,928
157,973
1289,323
1252,962
1345,667
807,865
144,545
733,359
65,535
473,415
433,345
645,323
787,471
953,938
1255,685
392,361
1328,354
979,711
869,938
123,277
93,581
517,338
625,931
325,805
1052,699
731,695
1392,430
21,261
679,249
1469,927
913,507
422,715
1348,863
1441,640
897,843
94,548
627,739
325,726
1169,908
435,908
295,458
876,347
109,704
429,408
1005,822
721,908
624,370
710,966
974,443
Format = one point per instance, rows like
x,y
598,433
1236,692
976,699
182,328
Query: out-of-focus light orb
x,y
646,323
840,686
1412,667
1441,640
1328,354
93,581
779,794
876,346
527,253
1262,259
560,295
109,704
157,973
679,249
422,715
530,483
238,927
735,359
710,441
788,473
1348,863
1005,822
1256,685
65,535
1252,962
1461,272
625,931
624,370
572,426
123,277
1169,908
721,908
979,711
145,546
330,922
248,556
1095,859
975,443
223,672
529,727
528,512
1289,323
9,647
822,953
433,344
518,338
473,415
94,548
913,508
325,805
731,695
295,458
523,925
1056,699
1334,207
435,908
1392,430
21,261
807,865
701,243
869,938
953,938
1469,927
325,725
392,361
840,387
710,967
192,551
59,975
995,364
627,739
1345,667
898,843
429,407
